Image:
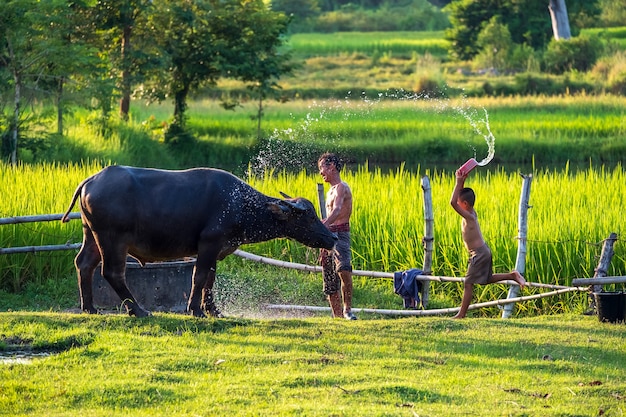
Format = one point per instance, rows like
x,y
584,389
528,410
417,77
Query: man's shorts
x,y
333,261
480,268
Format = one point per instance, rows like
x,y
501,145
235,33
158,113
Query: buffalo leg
x,y
208,302
114,272
201,298
86,262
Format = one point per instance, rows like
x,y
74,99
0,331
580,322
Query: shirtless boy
x,y
480,266
337,263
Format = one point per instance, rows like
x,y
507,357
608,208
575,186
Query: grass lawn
x,y
175,365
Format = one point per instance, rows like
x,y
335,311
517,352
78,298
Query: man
x,y
337,264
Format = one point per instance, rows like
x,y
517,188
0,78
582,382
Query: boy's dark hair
x,y
467,194
331,158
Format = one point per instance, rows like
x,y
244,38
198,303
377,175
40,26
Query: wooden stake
x,y
520,262
322,200
428,238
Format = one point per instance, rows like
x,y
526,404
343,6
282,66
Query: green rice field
x,y
399,127
394,43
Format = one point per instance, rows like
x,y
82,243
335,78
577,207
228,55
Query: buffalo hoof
x,y
197,312
139,312
213,311
90,310
136,310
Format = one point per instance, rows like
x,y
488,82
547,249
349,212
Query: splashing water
x,y
482,128
290,148
293,148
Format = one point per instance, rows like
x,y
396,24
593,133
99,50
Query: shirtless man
x,y
480,266
337,263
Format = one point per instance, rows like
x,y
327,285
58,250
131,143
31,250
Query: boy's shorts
x,y
333,261
480,268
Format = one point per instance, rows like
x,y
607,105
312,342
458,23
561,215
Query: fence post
x,y
602,269
520,262
321,199
428,238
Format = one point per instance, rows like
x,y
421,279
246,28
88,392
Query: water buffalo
x,y
156,215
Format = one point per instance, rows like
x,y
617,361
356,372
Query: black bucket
x,y
611,306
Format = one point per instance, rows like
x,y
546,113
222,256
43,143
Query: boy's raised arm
x,y
454,199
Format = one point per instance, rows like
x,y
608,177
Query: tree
x,y
495,45
202,41
256,57
24,51
117,19
67,32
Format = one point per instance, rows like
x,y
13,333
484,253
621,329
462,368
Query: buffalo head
x,y
299,221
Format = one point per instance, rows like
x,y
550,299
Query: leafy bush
x,y
612,70
495,45
579,54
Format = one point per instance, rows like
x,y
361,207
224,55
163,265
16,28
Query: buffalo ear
x,y
278,209
284,195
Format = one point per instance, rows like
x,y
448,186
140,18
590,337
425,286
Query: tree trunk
x,y
126,83
560,20
16,117
180,104
59,100
259,116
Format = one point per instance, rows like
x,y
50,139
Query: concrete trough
x,y
158,286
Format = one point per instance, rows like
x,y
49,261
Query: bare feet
x,y
517,277
458,317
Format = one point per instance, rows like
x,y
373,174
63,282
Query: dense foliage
x,y
337,16
157,50
528,22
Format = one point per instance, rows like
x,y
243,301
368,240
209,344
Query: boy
x,y
480,266
337,263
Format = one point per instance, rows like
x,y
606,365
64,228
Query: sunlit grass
x,y
179,366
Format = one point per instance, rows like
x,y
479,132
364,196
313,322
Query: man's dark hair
x,y
467,194
331,158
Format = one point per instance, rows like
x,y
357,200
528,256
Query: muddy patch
x,y
19,351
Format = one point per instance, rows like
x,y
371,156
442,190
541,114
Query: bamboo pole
x,y
321,200
35,249
372,274
37,218
428,238
599,281
433,312
520,262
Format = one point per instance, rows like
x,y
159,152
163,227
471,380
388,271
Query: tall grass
x,y
395,127
32,190
571,214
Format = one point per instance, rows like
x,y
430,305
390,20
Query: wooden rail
x,y
33,219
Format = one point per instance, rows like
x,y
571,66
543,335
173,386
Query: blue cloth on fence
x,y
407,287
